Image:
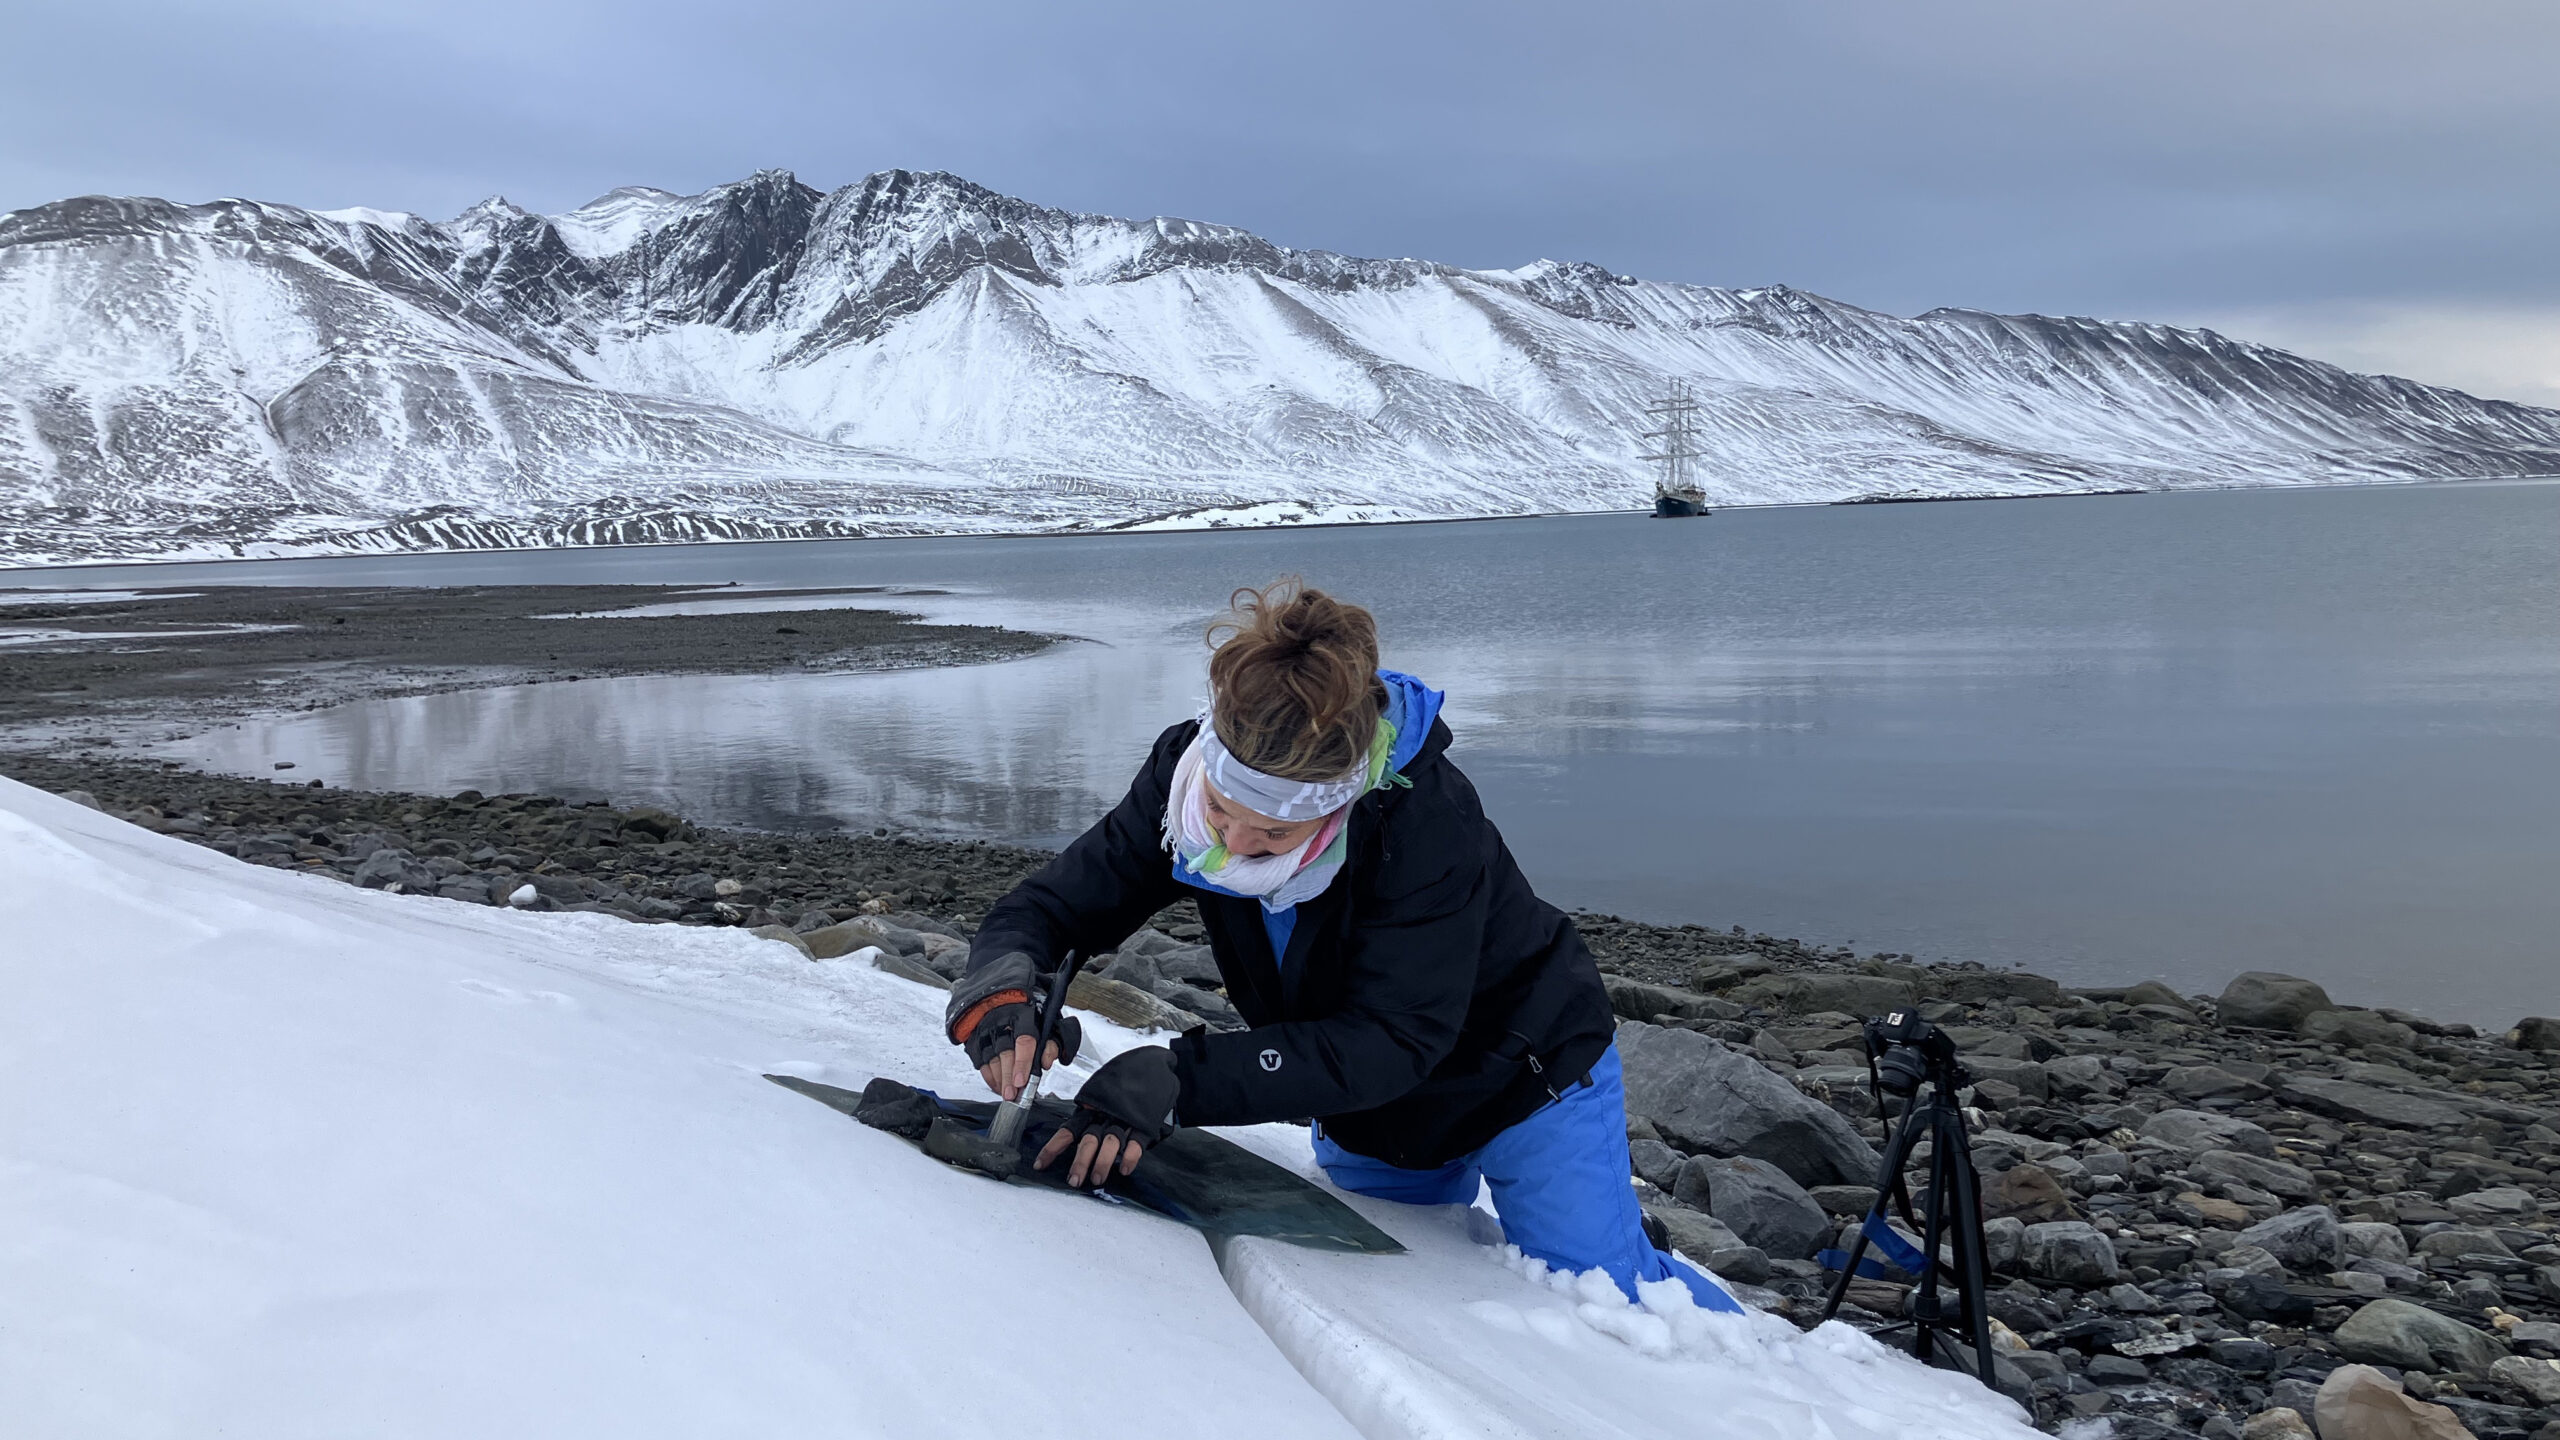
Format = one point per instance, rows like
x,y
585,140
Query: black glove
x,y
997,1003
1131,1098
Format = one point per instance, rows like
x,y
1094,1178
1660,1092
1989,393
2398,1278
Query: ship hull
x,y
1674,507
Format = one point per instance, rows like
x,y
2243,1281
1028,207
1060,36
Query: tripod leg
x,y
1897,1149
1924,1302
1973,1276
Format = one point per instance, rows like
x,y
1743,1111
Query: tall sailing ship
x,y
1675,493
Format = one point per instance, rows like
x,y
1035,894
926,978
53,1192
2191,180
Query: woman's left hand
x,y
1126,1107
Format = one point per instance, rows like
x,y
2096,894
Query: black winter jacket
x,y
1428,1000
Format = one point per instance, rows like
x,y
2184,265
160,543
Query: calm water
x,y
2107,738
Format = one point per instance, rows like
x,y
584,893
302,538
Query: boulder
x,y
785,934
2413,1337
2374,1239
2264,1000
2356,1027
2305,1241
2196,1131
2264,1297
1693,1233
1705,1096
2203,1082
386,869
2285,1182
2538,1379
2455,1241
1759,1202
2028,1193
2370,1104
2535,1032
2027,1075
2281,1423
1658,1163
1981,986
1727,970
1206,1004
2358,1402
1126,1004
1635,1000
901,966
1805,994
2080,1077
835,941
2498,1205
2068,1252
2002,1242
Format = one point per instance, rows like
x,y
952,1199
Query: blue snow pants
x,y
1560,1185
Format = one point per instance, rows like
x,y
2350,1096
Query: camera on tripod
x,y
1908,1051
1915,1062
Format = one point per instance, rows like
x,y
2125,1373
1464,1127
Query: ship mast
x,y
1679,441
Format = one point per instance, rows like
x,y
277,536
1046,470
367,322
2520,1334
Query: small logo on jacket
x,y
1270,1059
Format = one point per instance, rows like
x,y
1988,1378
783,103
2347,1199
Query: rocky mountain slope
x,y
916,353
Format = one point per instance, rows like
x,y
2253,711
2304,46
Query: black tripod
x,y
1904,1052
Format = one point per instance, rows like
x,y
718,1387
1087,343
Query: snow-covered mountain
x,y
917,353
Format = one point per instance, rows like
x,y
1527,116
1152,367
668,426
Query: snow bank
x,y
283,1157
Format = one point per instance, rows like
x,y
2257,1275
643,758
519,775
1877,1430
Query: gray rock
x,y
2498,1205
2375,1239
2248,1260
2264,1000
1853,1200
1807,994
2080,1077
2535,1032
2203,1082
1692,1232
2003,1241
2287,1182
1635,1000
2456,1241
905,968
2068,1252
2027,1075
1705,1096
386,869
2306,1241
1205,1004
1980,986
2196,1131
1761,1204
2538,1379
1131,966
2356,1027
2412,1337
1658,1163
2116,1370
834,941
1126,1004
2130,1299
2348,1100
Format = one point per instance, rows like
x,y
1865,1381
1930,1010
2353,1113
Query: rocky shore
x,y
2202,1210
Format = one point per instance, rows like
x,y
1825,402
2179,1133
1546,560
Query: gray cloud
x,y
2130,158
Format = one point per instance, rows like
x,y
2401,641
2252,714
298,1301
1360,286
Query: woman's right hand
x,y
1008,1070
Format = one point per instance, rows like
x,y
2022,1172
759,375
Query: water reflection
x,y
2318,733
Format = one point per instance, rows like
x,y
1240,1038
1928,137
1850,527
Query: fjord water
x,y
2106,738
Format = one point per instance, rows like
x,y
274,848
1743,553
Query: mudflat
x,y
165,662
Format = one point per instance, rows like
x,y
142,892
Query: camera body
x,y
1909,1051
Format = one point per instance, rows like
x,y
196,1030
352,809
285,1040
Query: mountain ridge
x,y
914,352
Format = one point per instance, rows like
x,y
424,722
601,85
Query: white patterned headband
x,y
1284,800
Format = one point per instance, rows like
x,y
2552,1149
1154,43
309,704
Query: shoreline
x,y
1125,529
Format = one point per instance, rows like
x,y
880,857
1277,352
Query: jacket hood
x,y
1411,707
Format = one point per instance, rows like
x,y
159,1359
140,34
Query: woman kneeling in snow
x,y
1438,1021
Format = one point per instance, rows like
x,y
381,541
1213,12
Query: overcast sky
x,y
2372,183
